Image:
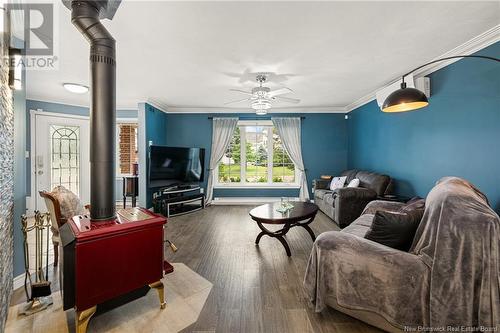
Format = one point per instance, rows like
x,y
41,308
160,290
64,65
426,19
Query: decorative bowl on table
x,y
285,206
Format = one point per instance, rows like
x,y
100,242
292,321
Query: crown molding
x,y
44,100
473,45
157,104
215,110
362,101
210,110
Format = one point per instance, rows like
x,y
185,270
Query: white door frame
x,y
30,201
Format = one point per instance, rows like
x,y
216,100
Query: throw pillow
x,y
337,182
68,201
353,183
395,230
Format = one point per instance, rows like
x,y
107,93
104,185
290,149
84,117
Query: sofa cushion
x,y
374,181
395,230
360,226
350,174
321,193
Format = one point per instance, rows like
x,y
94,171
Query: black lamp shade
x,y
405,99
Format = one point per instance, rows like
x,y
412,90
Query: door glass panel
x,y
65,155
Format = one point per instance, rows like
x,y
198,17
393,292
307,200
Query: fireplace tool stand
x,y
40,297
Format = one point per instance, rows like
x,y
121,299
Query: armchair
x,y
61,204
448,278
56,220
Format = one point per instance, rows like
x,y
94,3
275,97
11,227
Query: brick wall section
x,y
128,152
6,185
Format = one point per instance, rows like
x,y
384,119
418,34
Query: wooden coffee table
x,y
301,215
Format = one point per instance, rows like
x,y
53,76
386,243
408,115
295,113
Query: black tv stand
x,y
178,200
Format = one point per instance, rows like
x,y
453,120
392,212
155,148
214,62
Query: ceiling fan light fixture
x,y
261,105
262,97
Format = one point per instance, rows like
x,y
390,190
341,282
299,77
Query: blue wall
x,y
324,145
458,134
156,133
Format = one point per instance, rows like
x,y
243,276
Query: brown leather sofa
x,y
344,205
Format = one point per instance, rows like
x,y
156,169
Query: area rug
x,y
185,291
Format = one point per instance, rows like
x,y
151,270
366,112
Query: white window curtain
x,y
222,133
289,132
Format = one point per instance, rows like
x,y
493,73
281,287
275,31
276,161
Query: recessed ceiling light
x,y
76,88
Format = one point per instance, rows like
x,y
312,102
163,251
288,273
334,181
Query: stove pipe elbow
x,y
85,16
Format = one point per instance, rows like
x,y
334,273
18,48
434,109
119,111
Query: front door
x,y
61,156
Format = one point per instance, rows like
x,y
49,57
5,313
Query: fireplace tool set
x,y
36,284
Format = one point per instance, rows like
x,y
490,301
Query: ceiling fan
x,y
261,98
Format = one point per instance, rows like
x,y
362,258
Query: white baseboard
x,y
18,282
225,201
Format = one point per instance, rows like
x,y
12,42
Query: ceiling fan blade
x,y
238,101
242,91
286,99
281,91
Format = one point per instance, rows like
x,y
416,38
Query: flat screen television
x,y
169,166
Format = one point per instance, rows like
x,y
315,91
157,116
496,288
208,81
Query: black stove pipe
x,y
85,16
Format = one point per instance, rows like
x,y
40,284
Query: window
x,y
65,151
127,147
256,157
256,166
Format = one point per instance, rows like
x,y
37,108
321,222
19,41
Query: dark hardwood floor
x,y
256,288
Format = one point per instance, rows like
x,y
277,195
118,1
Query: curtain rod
x,y
254,118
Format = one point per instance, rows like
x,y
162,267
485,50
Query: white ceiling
x,y
189,54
